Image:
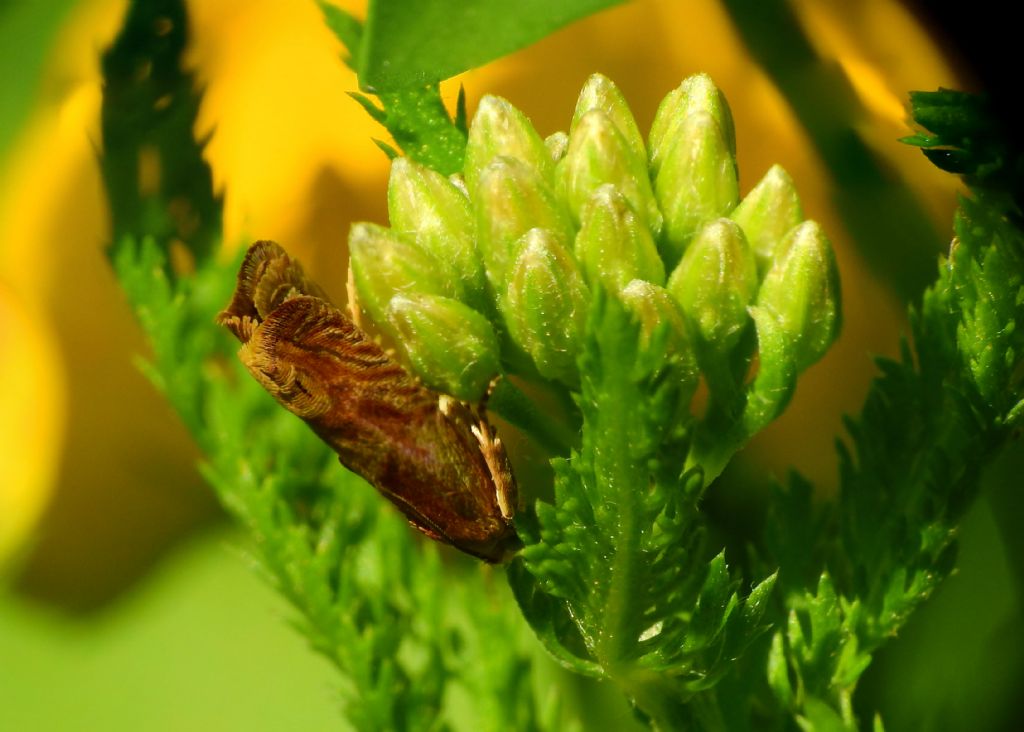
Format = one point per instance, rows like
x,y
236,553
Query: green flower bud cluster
x,y
493,270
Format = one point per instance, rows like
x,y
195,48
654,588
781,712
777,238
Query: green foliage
x,y
156,179
621,577
416,116
403,48
963,135
630,592
407,632
931,422
420,125
548,232
616,576
403,628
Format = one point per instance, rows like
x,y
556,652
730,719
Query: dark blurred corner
x,y
984,40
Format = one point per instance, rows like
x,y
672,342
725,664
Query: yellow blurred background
x,y
99,479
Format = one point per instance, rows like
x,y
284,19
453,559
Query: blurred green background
x,y
202,644
125,600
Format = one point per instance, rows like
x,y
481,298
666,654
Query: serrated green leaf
x,y
932,419
714,604
369,106
550,622
778,671
621,549
755,605
415,117
345,27
403,49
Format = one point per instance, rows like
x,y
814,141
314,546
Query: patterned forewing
x,y
417,447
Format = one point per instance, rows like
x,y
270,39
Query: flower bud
x,y
768,213
385,264
697,93
448,344
656,309
546,305
801,290
613,244
599,92
511,199
598,154
557,144
498,128
426,207
714,283
696,182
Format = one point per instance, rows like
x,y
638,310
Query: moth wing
x,y
320,367
431,462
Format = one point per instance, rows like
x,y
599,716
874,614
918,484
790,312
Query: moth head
x,y
267,278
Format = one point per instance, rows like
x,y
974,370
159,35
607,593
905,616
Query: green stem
x,y
661,703
720,434
657,697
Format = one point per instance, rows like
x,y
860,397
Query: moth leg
x,y
497,466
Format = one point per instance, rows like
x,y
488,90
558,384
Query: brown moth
x,y
433,456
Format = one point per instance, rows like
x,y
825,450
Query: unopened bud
x,y
512,198
557,144
426,207
714,283
659,315
599,92
801,290
448,344
769,212
546,306
614,245
499,129
598,154
385,264
696,94
696,182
